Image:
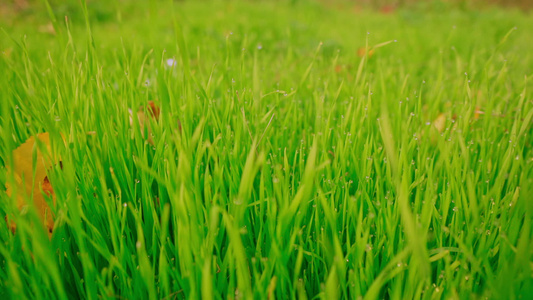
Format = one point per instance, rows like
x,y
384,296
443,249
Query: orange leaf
x,y
365,51
154,112
440,123
23,173
387,9
153,109
478,112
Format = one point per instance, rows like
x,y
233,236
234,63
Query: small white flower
x,y
171,62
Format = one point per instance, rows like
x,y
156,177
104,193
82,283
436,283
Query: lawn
x,y
254,149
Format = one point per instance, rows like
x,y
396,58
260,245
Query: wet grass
x,y
286,162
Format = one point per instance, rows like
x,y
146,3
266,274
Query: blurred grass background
x,y
9,7
20,14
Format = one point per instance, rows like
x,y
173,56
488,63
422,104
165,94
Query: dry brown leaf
x,y
478,112
154,112
387,9
440,123
153,109
365,51
7,52
47,28
23,173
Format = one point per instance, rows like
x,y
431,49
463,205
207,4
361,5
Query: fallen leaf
x,y
440,122
7,52
365,51
21,4
387,9
154,112
47,28
357,9
153,109
477,113
26,185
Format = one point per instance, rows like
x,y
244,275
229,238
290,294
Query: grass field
x,y
291,150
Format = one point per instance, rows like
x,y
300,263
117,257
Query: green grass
x,y
284,165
